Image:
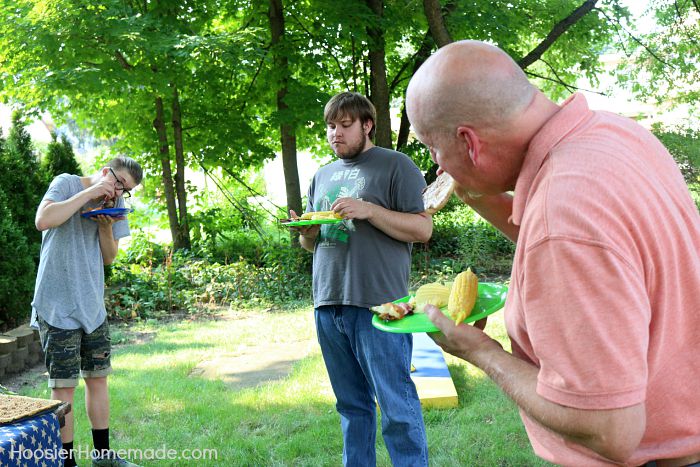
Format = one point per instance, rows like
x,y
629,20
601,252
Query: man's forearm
x,y
108,246
613,433
402,226
52,214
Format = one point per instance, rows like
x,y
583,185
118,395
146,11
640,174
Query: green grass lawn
x,y
156,404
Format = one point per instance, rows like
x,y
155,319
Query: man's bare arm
x,y
402,226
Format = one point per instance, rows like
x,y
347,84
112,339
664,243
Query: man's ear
x,y
367,127
471,142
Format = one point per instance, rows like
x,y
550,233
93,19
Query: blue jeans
x,y
363,363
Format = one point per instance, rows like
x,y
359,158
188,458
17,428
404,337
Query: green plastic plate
x,y
312,222
490,298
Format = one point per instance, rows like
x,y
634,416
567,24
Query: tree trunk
x,y
421,56
436,21
379,90
159,125
183,237
287,130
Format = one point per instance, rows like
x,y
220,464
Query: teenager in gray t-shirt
x,y
355,263
361,262
68,306
69,291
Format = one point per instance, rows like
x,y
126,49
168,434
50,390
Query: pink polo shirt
x,y
605,291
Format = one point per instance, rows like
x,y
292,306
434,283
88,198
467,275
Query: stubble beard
x,y
354,151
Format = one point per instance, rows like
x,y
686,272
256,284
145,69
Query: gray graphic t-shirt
x,y
354,262
69,292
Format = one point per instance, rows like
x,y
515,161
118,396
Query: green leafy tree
x,y
125,69
59,159
684,145
21,181
664,63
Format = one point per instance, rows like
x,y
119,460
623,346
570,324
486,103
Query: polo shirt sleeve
x,y
588,320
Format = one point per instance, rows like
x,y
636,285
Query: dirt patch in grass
x,y
29,378
257,365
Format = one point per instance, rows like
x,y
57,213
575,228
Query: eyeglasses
x,y
120,185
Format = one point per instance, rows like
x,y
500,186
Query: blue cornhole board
x,y
431,376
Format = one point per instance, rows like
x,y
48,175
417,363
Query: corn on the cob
x,y
315,215
462,296
433,294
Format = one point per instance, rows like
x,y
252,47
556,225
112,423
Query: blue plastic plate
x,y
112,212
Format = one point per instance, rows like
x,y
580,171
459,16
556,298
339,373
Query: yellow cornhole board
x,y
431,376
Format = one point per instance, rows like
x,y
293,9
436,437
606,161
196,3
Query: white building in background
x,y
40,130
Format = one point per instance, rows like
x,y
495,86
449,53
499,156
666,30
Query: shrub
x,y
59,159
684,146
143,283
17,270
23,186
462,239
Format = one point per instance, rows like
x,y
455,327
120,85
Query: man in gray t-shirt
x,y
68,306
361,262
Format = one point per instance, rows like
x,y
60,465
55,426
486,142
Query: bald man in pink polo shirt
x,y
603,310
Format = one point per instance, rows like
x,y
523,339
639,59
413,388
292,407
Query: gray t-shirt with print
x,y
354,262
69,292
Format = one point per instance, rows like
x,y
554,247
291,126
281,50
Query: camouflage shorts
x,y
71,353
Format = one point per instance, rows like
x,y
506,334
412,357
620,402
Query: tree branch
x,y
697,6
323,45
122,60
569,87
637,40
255,77
560,28
436,21
566,85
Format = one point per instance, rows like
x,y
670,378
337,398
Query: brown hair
x,y
353,105
128,164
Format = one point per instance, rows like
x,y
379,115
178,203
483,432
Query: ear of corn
x,y
433,294
463,296
315,215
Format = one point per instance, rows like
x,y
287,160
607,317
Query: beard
x,y
347,151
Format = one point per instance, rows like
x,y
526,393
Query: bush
x,y
684,146
17,270
22,183
59,159
461,239
145,283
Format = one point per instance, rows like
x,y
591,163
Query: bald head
x,y
467,83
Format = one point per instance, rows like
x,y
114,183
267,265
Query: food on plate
x,y
462,296
437,194
434,294
318,215
458,296
393,311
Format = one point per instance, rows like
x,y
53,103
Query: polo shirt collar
x,y
573,111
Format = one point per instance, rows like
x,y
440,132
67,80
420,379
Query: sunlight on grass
x,y
290,421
